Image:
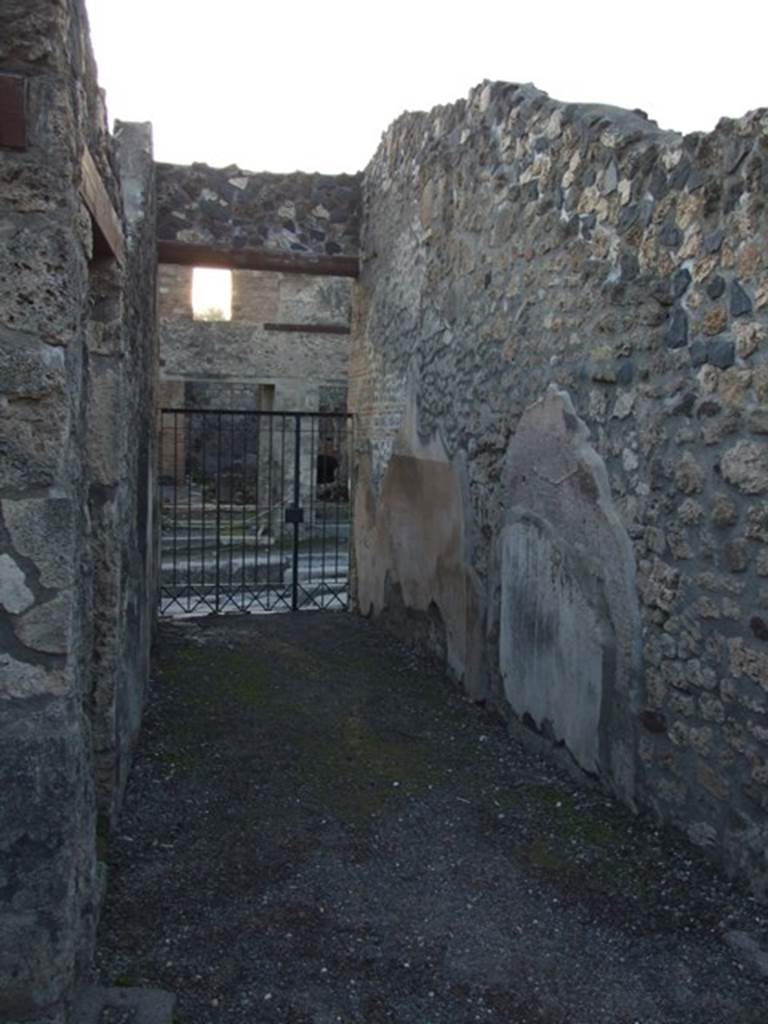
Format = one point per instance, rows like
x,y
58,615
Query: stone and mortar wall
x,y
226,362
174,291
303,214
560,372
269,297
234,354
262,296
123,433
77,360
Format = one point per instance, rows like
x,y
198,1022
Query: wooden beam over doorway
x,y
13,111
108,234
187,254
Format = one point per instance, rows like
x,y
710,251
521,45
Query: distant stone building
x,y
285,347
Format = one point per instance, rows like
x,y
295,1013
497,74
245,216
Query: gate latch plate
x,y
294,514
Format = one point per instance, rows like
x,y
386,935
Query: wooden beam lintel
x,y
308,328
187,254
13,111
108,232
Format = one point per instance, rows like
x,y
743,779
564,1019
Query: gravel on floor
x,y
320,828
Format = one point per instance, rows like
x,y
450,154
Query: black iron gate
x,y
255,511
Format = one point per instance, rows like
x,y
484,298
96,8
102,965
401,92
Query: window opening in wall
x,y
211,294
265,397
327,467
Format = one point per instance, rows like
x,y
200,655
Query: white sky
x,y
311,85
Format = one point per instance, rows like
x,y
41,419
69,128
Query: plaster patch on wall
x,y
569,646
409,534
550,644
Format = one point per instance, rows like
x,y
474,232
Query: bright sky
x,y
308,85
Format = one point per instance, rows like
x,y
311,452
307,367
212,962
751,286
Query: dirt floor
x,y
320,829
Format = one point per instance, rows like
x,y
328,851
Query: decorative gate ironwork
x,y
255,511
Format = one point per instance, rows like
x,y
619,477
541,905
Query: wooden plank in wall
x,y
13,111
190,255
308,328
108,236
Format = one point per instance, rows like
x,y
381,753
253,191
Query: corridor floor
x,y
319,828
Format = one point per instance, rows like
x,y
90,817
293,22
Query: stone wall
x,y
288,336
77,358
174,291
308,215
234,354
560,373
275,298
223,363
123,433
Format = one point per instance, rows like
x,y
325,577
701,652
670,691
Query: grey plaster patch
x,y
550,649
98,1005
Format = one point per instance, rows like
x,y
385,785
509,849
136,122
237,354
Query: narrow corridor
x,y
319,828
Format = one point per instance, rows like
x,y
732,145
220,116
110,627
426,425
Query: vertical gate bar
x,y
338,426
283,423
202,506
348,429
260,421
349,435
217,543
313,431
231,538
160,498
296,501
188,474
270,509
175,498
257,501
323,574
268,536
244,508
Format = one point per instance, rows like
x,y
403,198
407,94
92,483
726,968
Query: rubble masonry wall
x,y
77,368
560,375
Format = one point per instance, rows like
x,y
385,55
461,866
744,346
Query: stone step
x,y
316,534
